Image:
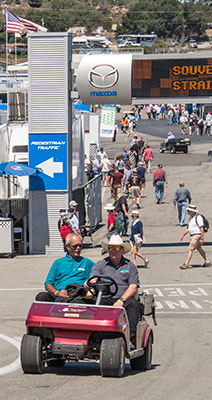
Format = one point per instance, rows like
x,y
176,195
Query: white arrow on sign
x,y
50,167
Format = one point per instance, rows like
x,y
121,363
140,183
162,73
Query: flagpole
x,y
15,49
5,11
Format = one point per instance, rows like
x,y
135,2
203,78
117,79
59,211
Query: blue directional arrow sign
x,y
49,152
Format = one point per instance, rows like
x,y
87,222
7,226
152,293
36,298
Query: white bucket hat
x,y
109,206
116,240
135,212
192,208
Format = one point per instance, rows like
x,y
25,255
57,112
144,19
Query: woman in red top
x,y
110,222
148,157
111,219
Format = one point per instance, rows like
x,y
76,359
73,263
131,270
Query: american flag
x,y
32,26
17,24
13,23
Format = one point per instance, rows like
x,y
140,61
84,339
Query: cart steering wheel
x,y
104,287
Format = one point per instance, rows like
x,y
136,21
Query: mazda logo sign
x,y
103,76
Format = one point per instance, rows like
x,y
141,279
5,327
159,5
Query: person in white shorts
x,y
196,230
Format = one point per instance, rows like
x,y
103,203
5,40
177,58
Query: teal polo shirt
x,y
67,270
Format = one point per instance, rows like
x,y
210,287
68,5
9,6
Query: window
x,y
20,149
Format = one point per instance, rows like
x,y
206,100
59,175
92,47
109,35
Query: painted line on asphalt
x,y
184,312
16,364
19,289
177,284
154,285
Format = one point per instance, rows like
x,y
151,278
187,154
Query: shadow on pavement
x,y
173,244
89,369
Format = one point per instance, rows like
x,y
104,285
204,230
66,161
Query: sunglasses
x,y
74,246
116,248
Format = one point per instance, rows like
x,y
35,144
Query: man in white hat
x,y
73,204
125,273
74,217
111,219
196,230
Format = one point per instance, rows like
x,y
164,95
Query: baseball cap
x,y
73,203
126,192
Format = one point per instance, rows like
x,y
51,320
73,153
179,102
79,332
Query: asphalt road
x,y
161,128
181,365
154,132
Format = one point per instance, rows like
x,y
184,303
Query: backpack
x,y
205,222
118,223
117,206
200,122
65,230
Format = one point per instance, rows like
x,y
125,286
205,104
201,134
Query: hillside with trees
x,y
166,18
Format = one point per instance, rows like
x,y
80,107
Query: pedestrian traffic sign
x,y
49,153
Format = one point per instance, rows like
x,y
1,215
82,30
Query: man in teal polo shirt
x,y
66,270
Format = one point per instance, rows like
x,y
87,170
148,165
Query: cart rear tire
x,y
144,362
186,150
32,360
112,357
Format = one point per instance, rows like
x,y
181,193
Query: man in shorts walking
x,y
196,230
135,187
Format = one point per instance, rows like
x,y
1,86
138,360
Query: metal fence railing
x,y
89,200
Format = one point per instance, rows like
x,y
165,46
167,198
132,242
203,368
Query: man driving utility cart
x,y
125,274
109,329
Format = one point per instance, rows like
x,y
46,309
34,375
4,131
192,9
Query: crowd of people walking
x,y
125,178
189,120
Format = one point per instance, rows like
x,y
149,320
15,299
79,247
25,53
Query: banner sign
x,y
49,152
127,79
105,79
108,120
185,77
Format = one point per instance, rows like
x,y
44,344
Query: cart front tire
x,y
32,360
144,362
112,357
172,150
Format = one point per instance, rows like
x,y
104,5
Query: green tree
x,y
2,22
194,18
167,18
70,16
35,3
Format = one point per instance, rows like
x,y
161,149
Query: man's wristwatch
x,y
122,300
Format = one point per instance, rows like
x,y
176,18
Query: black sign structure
x,y
172,78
